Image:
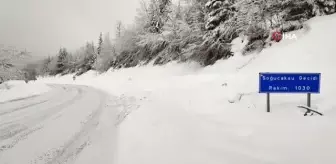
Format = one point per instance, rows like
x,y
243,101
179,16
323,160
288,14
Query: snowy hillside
x,y
12,61
192,115
15,90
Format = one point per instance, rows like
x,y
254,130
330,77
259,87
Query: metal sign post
x,y
308,100
268,103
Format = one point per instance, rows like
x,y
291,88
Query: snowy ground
x,y
184,115
57,126
14,90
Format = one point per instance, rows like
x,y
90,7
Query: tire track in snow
x,y
23,103
27,101
23,107
19,99
23,131
72,148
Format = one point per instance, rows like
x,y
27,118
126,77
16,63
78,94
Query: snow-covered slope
x,y
18,61
13,90
185,115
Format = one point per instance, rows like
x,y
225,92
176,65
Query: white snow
x,y
184,114
13,90
59,128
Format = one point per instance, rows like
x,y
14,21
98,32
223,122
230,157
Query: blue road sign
x,y
289,82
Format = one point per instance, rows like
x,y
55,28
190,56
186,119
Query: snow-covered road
x,y
54,127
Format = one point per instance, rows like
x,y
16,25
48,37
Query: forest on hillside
x,y
13,62
189,30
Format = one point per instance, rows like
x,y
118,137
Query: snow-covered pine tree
x,y
175,25
157,12
218,11
90,55
195,14
106,56
119,27
100,43
45,66
324,7
61,60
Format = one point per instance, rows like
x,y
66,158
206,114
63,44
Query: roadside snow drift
x,y
215,115
14,90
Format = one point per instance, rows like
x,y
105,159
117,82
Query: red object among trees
x,y
276,36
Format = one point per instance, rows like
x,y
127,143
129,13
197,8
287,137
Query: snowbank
x,y
13,90
189,115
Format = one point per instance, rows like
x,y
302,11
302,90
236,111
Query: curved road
x,y
51,128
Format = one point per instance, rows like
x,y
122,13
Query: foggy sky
x,y
43,26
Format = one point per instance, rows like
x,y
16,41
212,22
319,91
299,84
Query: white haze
x,y
43,26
